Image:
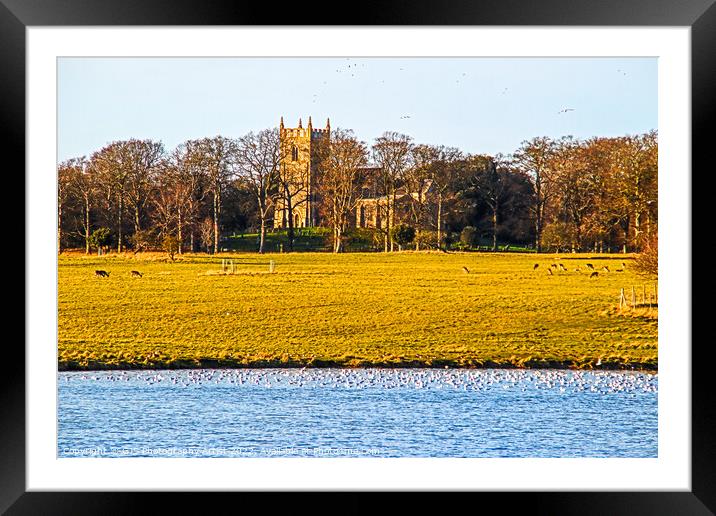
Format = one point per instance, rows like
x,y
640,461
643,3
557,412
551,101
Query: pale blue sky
x,y
480,105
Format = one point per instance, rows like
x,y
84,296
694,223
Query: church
x,y
302,150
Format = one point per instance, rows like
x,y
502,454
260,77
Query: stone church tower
x,y
301,153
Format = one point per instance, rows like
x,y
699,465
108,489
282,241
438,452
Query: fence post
x,y
271,266
633,297
621,298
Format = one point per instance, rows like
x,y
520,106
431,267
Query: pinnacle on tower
x,y
299,124
328,124
310,125
281,123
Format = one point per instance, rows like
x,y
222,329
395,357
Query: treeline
x,y
598,194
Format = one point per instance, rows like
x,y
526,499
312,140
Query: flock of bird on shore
x,y
601,382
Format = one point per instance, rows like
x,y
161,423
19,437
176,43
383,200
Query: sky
x,y
479,105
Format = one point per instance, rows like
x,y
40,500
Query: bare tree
x,y
339,185
636,171
487,179
65,175
258,161
143,158
535,158
438,164
112,169
187,161
83,187
216,156
391,152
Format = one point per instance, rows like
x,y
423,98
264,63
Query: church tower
x,y
302,149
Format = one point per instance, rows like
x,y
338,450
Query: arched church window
x,y
294,153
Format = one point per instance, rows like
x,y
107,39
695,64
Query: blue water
x,y
357,413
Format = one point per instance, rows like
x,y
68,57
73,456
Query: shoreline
x,y
334,364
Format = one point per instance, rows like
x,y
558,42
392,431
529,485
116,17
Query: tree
x,y
403,234
391,152
112,172
535,158
258,164
99,238
636,171
340,181
125,170
83,187
419,180
190,183
440,165
578,178
171,246
206,234
65,175
647,261
217,158
489,185
143,159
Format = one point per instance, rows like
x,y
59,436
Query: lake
x,y
357,413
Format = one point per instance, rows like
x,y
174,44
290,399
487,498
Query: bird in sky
x,y
405,116
564,110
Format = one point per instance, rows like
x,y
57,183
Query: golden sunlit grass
x,y
397,309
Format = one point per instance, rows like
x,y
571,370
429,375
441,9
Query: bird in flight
x,y
564,110
621,72
405,116
504,91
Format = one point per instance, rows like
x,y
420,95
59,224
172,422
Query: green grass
x,y
399,309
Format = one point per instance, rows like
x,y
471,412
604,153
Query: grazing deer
x,y
605,268
563,267
554,265
535,267
623,265
101,274
466,270
618,270
550,272
577,269
594,274
136,274
590,266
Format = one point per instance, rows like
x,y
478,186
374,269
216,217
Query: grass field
x,y
320,309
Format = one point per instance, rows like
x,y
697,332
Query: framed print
x,y
223,317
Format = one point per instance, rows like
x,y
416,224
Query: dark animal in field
x,y
590,266
563,267
623,265
535,267
136,273
101,274
605,268
466,270
577,269
594,274
619,270
554,265
549,271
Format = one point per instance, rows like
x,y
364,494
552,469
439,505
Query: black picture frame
x,y
700,15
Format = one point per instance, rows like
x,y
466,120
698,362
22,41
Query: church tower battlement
x,y
301,151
